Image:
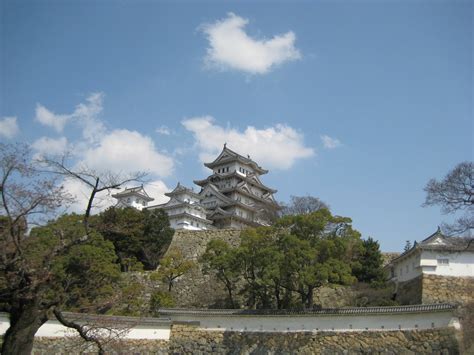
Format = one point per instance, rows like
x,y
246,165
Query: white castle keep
x,y
233,196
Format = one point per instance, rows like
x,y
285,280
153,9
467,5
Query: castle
x,y
233,196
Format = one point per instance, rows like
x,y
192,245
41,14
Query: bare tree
x,y
96,181
453,194
302,205
29,287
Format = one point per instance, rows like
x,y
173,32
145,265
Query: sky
x,y
358,103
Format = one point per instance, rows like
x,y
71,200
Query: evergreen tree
x,y
371,262
138,236
407,246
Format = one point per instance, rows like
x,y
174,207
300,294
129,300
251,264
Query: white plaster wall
x,y
408,268
53,328
123,203
322,323
185,223
460,263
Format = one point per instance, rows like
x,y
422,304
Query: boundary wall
x,y
422,329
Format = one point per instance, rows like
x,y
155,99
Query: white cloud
x,y
86,115
49,118
119,151
163,130
330,143
51,146
81,193
276,147
157,189
231,48
127,151
8,127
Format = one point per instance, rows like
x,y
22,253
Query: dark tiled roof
x,y
121,320
182,189
131,190
448,244
452,244
325,311
232,156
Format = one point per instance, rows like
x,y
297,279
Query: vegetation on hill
x,y
140,238
281,266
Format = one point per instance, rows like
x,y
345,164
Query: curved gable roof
x,y
227,156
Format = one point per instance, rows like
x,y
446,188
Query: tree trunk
x,y
24,323
277,296
229,292
309,298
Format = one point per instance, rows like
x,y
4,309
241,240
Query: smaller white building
x,y
135,197
437,255
184,209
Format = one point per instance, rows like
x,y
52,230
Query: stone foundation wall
x,y
191,340
439,289
76,346
195,289
186,339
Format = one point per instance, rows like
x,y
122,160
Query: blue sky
x,y
358,103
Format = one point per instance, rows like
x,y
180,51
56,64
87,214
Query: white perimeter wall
x,y
384,322
53,328
322,323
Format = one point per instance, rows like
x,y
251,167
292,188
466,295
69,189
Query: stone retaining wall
x,y
190,340
439,289
76,346
195,289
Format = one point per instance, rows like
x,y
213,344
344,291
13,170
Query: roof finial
x,y
439,229
248,156
225,144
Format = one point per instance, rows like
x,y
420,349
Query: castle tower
x,y
184,209
135,197
233,195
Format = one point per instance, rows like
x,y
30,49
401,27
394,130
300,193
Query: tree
x,y
156,238
303,205
407,246
453,194
371,263
282,266
63,264
260,259
139,237
172,266
224,262
160,299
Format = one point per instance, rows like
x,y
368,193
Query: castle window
x,y
443,262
